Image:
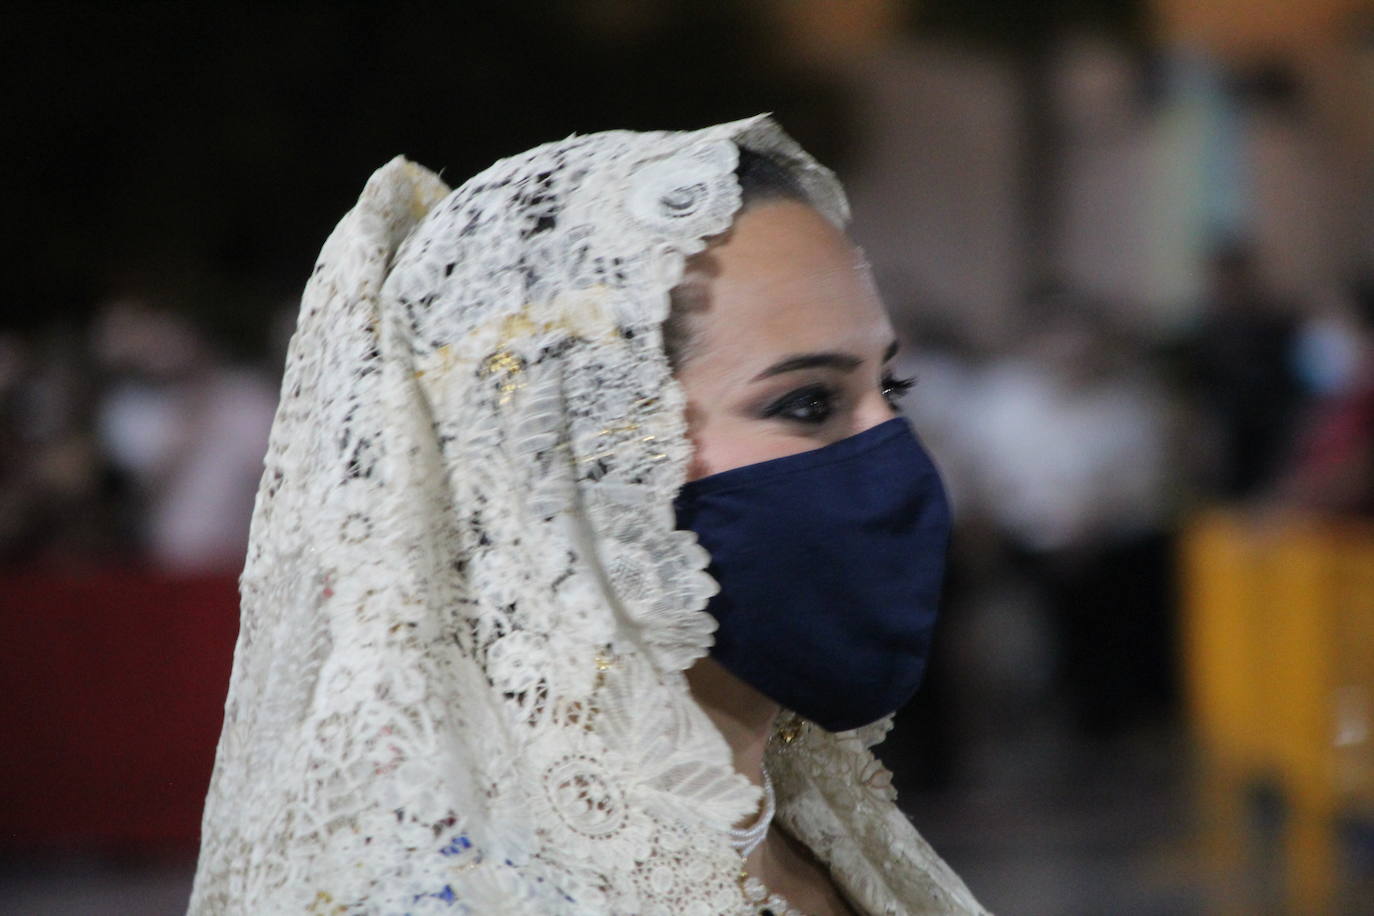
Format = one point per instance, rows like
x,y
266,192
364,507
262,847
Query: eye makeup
x,y
815,403
811,404
894,388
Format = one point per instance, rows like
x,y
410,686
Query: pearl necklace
x,y
747,839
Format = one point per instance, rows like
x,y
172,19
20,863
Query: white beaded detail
x,y
747,839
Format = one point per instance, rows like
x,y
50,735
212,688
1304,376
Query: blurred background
x,y
1129,244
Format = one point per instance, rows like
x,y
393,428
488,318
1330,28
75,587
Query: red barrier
x,y
113,695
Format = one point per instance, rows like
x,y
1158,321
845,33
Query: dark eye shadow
x,y
818,400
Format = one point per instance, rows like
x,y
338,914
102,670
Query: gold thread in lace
x,y
519,325
604,663
657,456
507,363
446,360
789,728
611,431
615,449
501,361
598,456
324,898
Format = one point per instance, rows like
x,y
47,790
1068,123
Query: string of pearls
x,y
745,840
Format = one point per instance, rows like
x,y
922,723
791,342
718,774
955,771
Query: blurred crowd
x,y
1076,455
131,440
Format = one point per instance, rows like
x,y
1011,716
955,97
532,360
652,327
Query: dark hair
x,y
761,178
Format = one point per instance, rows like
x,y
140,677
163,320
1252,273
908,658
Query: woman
x,y
473,669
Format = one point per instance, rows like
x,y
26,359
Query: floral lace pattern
x,y
466,612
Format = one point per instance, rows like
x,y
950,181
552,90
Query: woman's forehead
x,y
786,275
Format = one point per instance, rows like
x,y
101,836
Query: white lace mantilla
x,y
466,612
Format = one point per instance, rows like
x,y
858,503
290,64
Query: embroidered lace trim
x,y
457,685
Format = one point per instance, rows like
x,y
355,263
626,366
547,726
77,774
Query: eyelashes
x,y
811,404
894,388
815,404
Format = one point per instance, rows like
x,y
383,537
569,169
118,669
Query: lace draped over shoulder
x,y
466,611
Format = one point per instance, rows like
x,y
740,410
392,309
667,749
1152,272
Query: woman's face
x,y
788,341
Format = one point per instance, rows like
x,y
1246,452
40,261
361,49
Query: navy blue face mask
x,y
830,564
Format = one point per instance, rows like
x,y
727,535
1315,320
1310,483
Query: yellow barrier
x,y
1279,656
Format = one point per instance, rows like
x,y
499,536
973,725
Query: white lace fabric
x,y
466,612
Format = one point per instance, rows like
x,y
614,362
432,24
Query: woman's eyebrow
x,y
845,362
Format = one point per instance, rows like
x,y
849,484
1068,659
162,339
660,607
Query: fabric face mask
x,y
830,564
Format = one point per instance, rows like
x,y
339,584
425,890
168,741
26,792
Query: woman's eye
x,y
894,388
812,404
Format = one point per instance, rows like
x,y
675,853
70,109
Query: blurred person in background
x,y
16,493
186,429
56,489
1331,468
1246,389
1068,440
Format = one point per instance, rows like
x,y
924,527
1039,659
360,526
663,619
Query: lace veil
x,y
466,612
